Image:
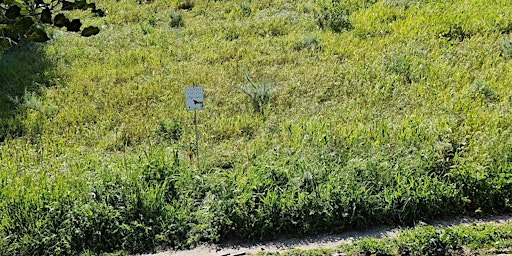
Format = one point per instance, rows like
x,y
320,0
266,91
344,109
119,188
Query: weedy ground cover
x,y
380,112
476,239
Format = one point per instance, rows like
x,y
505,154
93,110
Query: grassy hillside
x,y
379,112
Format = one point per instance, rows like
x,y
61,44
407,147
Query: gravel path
x,y
333,241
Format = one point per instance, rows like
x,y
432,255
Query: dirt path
x,y
316,242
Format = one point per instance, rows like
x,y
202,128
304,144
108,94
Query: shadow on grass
x,y
23,70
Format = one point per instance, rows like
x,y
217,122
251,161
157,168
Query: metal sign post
x,y
194,99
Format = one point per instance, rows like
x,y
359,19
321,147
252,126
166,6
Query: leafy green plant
x,y
506,46
231,35
481,89
309,42
399,65
170,130
455,33
23,19
30,101
176,19
333,15
429,241
369,246
185,4
403,3
259,93
246,9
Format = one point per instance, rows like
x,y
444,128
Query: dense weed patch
x,y
380,112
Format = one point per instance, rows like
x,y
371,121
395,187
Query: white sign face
x,y
194,99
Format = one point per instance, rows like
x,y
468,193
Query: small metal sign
x,y
194,99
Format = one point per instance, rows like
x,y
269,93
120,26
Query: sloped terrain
x,y
320,116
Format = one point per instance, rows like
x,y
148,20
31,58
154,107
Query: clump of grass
x,y
169,130
176,19
429,241
369,246
245,9
231,34
455,33
333,16
259,93
10,128
481,89
506,46
309,42
185,4
405,4
276,26
31,101
399,65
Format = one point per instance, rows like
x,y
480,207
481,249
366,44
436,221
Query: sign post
x,y
194,100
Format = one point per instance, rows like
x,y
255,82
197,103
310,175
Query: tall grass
x,y
403,117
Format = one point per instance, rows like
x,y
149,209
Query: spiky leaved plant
x,y
258,92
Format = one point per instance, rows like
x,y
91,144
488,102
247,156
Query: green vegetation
x,y
27,19
380,112
259,93
483,239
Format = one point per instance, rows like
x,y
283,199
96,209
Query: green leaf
x,y
74,25
46,16
13,12
6,27
90,31
24,24
60,20
81,5
67,6
37,35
